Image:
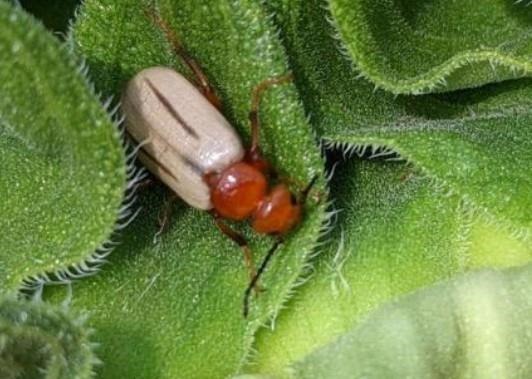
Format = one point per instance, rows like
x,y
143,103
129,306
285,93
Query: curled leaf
x,y
408,47
396,232
473,326
63,166
476,143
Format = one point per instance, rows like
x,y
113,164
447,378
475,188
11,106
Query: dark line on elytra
x,y
194,167
197,169
172,110
159,164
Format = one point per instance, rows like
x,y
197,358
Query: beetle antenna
x,y
255,279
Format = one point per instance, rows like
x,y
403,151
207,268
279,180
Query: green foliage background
x,y
424,111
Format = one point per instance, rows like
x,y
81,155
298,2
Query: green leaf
x,y
396,232
476,143
461,202
419,47
471,327
173,308
38,340
63,166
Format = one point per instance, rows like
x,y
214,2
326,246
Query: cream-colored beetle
x,y
184,136
190,146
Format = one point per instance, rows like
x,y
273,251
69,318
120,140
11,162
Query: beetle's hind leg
x,y
201,79
256,97
242,243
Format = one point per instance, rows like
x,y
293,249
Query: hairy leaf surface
x,y
477,143
471,327
396,232
420,47
63,166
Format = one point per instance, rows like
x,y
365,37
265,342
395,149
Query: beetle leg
x,y
201,79
146,183
254,152
240,241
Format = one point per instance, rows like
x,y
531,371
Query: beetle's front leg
x,y
242,243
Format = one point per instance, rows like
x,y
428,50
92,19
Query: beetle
x,y
189,145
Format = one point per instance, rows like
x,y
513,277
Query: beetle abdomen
x,y
184,136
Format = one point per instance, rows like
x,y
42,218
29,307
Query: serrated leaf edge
x,y
432,80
